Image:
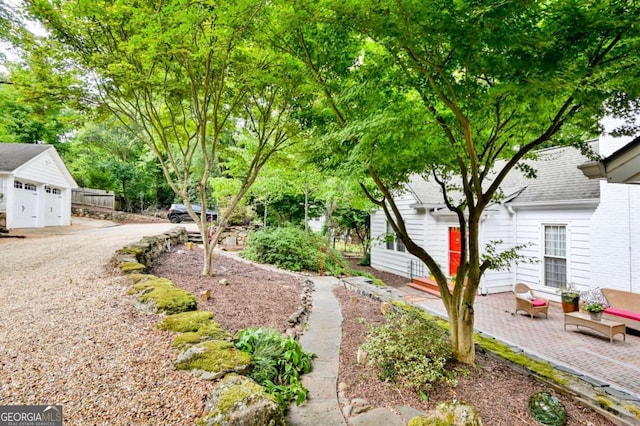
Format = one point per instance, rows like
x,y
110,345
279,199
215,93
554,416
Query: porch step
x,y
194,237
425,284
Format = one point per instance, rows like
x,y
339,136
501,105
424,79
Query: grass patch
x,y
635,411
376,281
604,402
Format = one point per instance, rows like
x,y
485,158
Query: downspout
x,y
512,212
630,239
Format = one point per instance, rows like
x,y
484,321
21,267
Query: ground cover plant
x,y
410,351
278,361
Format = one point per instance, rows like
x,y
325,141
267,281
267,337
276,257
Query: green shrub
x,y
410,351
293,249
366,260
277,362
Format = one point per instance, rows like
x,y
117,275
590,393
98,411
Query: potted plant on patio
x,y
595,310
570,298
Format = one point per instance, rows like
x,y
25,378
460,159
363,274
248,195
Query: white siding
x,y
391,260
615,244
43,168
437,239
498,226
578,222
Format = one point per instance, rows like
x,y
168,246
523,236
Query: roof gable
x,y
14,155
40,163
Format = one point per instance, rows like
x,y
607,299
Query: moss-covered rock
x,y
130,250
161,295
186,321
449,413
131,267
135,277
239,401
211,331
213,359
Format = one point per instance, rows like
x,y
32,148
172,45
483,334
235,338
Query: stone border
x,y
137,257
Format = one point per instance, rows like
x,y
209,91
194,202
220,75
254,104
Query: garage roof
x,y
14,155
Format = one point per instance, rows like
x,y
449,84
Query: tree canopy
x,y
457,92
447,89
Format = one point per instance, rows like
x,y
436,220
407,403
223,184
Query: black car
x,y
178,212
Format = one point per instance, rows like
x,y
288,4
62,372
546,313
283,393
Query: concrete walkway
x,y
322,337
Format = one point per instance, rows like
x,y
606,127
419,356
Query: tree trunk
x,y
462,336
208,258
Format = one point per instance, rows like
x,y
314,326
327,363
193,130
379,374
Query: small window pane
x,y
389,237
555,252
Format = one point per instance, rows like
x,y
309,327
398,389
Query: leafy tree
x,y
29,116
461,93
178,74
107,156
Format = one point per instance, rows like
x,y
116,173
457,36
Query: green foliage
x,y
293,249
594,307
410,351
547,409
278,362
366,259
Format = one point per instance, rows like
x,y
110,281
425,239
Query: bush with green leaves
x,y
293,249
278,361
410,351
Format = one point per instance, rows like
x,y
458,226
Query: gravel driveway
x,y
69,335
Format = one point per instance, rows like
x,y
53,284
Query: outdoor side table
x,y
604,326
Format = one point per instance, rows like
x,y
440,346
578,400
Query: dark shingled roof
x,y
558,179
14,155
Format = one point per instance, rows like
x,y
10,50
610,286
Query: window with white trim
x,y
392,240
555,255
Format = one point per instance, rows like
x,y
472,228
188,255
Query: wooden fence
x,y
93,197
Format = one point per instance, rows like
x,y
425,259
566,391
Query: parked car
x,y
178,212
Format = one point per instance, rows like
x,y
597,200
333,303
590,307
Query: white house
x,y
35,187
579,230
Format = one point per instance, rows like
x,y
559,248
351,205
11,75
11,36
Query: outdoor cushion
x,y
593,295
538,302
622,313
526,295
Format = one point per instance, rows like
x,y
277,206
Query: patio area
x,y
614,366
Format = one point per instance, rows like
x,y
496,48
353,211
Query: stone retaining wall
x,y
147,250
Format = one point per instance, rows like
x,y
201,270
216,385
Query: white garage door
x,y
53,207
25,206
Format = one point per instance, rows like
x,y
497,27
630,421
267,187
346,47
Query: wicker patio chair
x,y
527,301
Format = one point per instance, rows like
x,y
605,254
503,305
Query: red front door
x,y
455,247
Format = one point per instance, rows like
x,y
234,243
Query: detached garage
x,y
35,187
